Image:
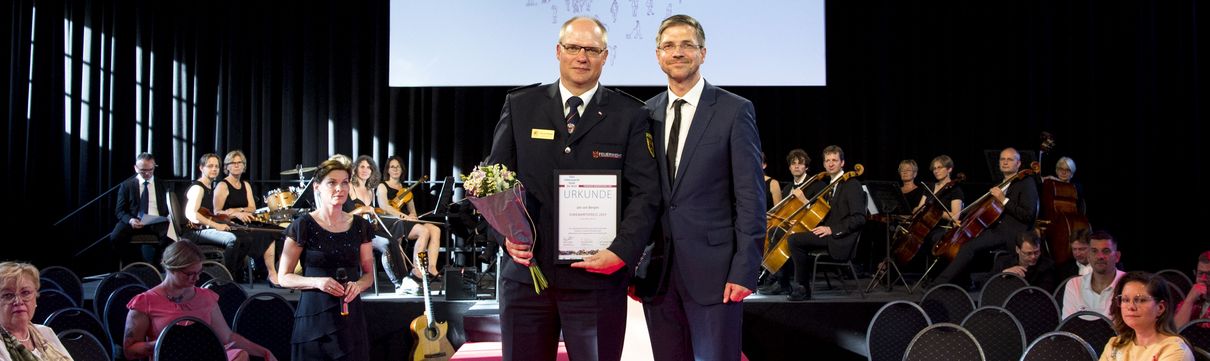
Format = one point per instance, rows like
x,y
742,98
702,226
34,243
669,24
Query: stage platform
x,y
831,326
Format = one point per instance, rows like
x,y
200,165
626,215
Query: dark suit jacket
x,y
714,213
1041,274
128,198
846,217
1022,209
611,135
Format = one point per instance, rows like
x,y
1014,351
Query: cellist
x,y
838,230
951,197
1020,202
799,162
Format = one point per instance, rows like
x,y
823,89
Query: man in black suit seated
x,y
837,231
1029,263
138,196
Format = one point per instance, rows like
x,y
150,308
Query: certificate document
x,y
588,203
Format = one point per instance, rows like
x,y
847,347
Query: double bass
x,y
802,218
981,214
909,239
1062,218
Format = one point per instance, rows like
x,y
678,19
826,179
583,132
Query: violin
x,y
909,239
983,213
804,218
405,195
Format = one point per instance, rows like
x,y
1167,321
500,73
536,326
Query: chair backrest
x,y
82,346
1061,290
999,287
1178,278
998,332
114,316
230,297
145,272
50,301
268,320
80,319
944,341
189,339
1059,345
110,283
1201,355
67,280
48,284
947,303
176,215
1197,333
892,329
1176,292
1035,309
1092,327
216,271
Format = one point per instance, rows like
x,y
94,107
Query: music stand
x,y
306,199
885,198
445,196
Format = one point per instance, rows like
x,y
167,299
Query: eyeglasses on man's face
x,y
25,295
572,49
670,47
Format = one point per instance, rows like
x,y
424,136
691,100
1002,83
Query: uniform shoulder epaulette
x,y
524,87
620,91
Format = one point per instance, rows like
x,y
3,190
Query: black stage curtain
x,y
91,83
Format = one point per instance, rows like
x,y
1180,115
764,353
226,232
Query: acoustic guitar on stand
x,y
431,343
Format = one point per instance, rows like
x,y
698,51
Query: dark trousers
x,y
122,231
801,245
682,329
996,238
592,322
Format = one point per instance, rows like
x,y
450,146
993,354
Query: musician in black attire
x,y
1020,202
139,195
799,162
942,167
837,231
233,196
908,188
207,230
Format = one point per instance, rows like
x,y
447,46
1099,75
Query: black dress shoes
x,y
799,293
773,289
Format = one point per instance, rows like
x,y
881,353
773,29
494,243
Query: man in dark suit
x,y
713,221
141,195
573,124
1020,203
837,231
1078,264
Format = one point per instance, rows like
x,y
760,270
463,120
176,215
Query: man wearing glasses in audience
x,y
1029,263
1094,291
1196,302
574,123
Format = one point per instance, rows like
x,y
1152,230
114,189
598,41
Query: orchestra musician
x,y
388,235
908,188
1020,202
1065,171
951,197
799,162
426,235
837,231
772,186
207,229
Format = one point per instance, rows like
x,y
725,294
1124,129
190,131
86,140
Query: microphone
x,y
342,276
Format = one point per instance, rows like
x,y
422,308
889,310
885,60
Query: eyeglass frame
x,y
686,47
1135,301
592,51
24,295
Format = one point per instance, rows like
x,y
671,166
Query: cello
x,y
909,239
804,218
780,212
1061,214
983,213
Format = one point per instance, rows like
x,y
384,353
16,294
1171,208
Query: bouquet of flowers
x,y
500,198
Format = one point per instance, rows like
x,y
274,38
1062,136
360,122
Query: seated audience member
x,y
1196,304
178,296
1078,264
1092,292
1029,263
1142,317
138,196
22,339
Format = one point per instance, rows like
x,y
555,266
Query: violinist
x,y
210,231
389,233
908,188
799,162
426,235
1020,202
838,230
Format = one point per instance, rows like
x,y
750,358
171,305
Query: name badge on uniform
x,y
548,134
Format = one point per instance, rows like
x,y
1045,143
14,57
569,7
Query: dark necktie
x,y
573,114
144,199
674,138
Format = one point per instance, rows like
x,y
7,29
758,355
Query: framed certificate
x,y
588,203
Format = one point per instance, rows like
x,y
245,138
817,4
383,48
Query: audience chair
x,y
892,329
1178,278
80,319
114,316
1092,327
48,284
189,339
230,297
215,271
268,320
944,341
1198,334
1035,309
67,280
145,272
1061,290
998,332
82,346
50,301
947,303
110,283
1059,345
999,287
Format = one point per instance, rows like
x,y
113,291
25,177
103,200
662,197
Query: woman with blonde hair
x,y
24,340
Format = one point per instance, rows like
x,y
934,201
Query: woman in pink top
x,y
152,311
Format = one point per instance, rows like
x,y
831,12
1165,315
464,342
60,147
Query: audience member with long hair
x,y
1142,316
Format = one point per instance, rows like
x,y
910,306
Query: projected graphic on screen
x,y
512,42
